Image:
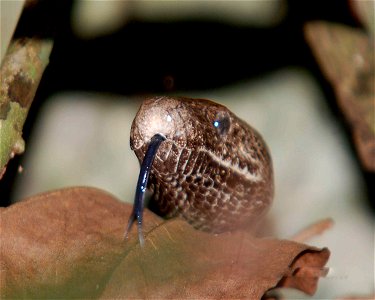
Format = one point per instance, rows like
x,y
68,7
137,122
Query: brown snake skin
x,y
217,178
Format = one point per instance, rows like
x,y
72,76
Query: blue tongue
x,y
137,213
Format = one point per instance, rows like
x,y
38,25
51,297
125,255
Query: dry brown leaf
x,y
363,11
312,230
346,56
69,243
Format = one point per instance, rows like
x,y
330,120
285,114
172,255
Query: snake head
x,y
199,124
210,167
188,123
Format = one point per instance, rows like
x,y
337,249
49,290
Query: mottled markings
x,y
183,160
198,180
20,90
256,177
178,159
191,163
173,158
189,179
4,109
198,162
208,182
164,154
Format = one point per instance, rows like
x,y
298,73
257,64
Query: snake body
x,y
212,169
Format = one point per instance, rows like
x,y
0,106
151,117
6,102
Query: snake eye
x,y
222,123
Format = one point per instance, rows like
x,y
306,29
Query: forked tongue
x,y
137,213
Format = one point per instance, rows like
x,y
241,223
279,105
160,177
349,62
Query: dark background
x,y
167,57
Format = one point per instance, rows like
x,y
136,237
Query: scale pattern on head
x,y
213,169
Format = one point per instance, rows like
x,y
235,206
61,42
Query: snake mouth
x,y
142,144
137,213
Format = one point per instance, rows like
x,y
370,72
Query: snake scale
x,y
202,163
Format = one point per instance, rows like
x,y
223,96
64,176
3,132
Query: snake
x,y
202,163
